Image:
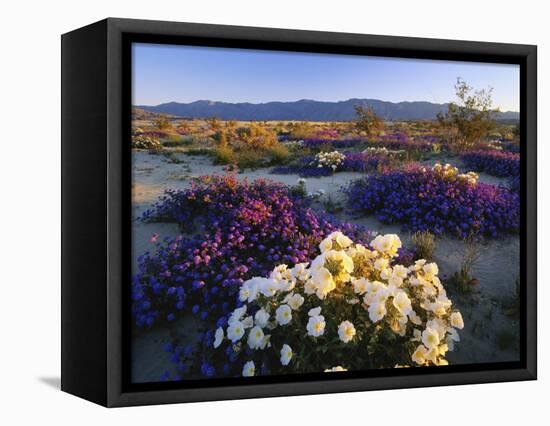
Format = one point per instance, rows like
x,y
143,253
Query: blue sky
x,y
165,73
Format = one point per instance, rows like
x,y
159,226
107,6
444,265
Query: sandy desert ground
x,y
491,334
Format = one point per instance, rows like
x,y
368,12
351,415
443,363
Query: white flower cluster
x,y
376,150
495,144
450,172
408,302
331,160
294,144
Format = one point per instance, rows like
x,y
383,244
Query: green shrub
x,y
224,155
175,141
302,130
424,244
279,154
250,159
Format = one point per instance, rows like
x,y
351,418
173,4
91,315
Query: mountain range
x,y
305,110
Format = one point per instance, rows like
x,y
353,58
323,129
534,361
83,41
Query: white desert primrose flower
x,y
268,287
386,274
283,314
419,355
247,322
360,285
255,337
402,303
218,337
281,272
286,354
325,245
323,281
430,269
457,321
235,331
430,338
346,331
300,272
342,240
248,291
261,318
237,314
368,287
316,326
335,369
400,271
341,257
389,243
381,263
313,312
377,311
295,301
310,287
440,306
249,369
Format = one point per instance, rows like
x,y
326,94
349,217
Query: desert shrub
x,y
424,244
213,123
249,147
162,123
463,279
368,122
278,153
301,130
250,158
436,200
175,141
354,308
469,120
233,240
183,128
255,136
224,154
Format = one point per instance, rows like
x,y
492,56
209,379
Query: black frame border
x,y
122,32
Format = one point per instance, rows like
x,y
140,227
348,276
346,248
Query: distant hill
x,y
141,114
305,110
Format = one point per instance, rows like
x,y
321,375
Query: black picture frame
x,y
96,209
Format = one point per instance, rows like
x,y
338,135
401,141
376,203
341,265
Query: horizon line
x,y
298,100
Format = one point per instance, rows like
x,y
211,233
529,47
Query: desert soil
x,y
490,335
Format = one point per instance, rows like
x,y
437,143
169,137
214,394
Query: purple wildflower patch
x,y
353,162
424,200
240,230
496,163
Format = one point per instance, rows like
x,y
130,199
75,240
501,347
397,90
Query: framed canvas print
x,y
252,212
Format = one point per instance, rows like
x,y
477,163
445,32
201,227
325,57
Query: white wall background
x,y
30,210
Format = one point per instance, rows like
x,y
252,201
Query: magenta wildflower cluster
x,y
422,199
